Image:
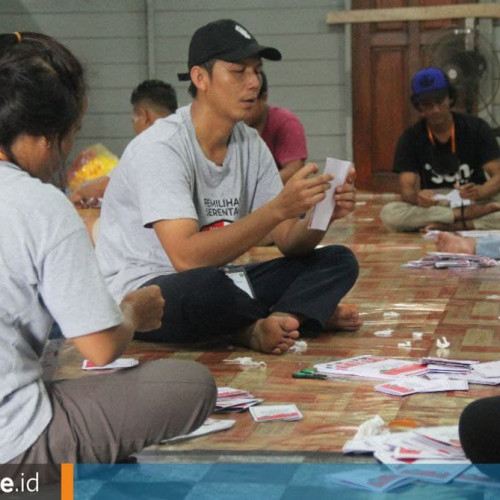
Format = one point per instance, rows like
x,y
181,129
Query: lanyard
x,y
453,142
3,157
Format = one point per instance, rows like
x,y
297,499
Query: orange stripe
x,y
67,490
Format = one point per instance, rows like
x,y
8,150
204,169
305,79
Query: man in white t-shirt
x,y
198,189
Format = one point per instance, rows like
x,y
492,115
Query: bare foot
x,y
447,242
345,317
274,334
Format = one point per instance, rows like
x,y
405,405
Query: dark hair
x,y
263,85
209,66
42,88
157,93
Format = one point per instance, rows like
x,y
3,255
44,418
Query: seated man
x,y
444,150
151,99
282,132
198,189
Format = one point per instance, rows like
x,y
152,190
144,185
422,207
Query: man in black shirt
x,y
444,151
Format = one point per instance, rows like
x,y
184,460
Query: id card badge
x,y
240,279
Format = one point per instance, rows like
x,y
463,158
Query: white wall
x,y
111,38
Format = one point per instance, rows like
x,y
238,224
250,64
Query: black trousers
x,y
204,303
479,430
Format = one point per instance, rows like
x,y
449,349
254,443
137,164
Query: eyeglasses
x,y
431,104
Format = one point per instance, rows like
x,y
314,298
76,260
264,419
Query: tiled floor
x,y
462,305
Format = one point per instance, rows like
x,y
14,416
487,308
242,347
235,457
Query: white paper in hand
x,y
323,211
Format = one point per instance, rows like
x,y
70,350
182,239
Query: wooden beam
x,y
472,10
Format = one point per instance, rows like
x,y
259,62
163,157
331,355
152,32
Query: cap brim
x,y
431,95
250,50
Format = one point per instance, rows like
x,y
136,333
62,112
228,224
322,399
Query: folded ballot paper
x,y
322,212
208,427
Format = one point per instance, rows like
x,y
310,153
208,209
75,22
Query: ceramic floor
x,y
461,305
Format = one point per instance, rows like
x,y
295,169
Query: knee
x,y
391,216
344,257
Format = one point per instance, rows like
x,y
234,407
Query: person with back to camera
x,y
198,189
282,132
151,100
49,272
444,150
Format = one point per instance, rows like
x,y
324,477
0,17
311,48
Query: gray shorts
x,y
106,418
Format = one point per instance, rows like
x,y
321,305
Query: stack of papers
x,y
231,400
422,445
271,413
440,260
375,367
404,377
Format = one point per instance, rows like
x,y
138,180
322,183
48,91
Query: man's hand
x,y
145,307
469,191
345,197
302,192
425,198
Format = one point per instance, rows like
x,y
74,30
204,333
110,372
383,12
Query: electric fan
x,y
470,62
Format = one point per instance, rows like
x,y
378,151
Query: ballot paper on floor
x,y
368,479
208,427
271,413
230,400
404,386
415,453
322,212
444,260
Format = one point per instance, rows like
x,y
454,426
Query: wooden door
x,y
385,55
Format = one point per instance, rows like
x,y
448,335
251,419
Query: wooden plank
x,y
414,13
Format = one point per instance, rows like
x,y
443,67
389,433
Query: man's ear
x,y
199,77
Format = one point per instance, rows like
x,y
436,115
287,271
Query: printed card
x,y
116,364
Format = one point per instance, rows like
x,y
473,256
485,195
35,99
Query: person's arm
x,y
142,310
290,169
188,248
484,191
409,184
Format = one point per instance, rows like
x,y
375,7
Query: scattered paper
x,y
270,413
116,364
245,361
383,333
300,347
442,343
372,427
322,212
209,426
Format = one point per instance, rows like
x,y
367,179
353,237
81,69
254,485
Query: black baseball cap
x,y
226,40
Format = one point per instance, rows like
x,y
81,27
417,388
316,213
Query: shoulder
x,y
279,114
413,132
38,207
471,122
